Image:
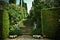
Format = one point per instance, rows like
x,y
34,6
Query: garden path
x,y
26,37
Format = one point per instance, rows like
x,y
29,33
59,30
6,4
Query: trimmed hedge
x,y
5,30
49,19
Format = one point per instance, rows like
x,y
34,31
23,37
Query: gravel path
x,y
26,37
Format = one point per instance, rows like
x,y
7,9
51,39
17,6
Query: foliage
x,y
35,14
15,31
16,13
36,31
12,1
47,18
50,21
5,30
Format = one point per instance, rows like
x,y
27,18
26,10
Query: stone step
x,y
26,36
26,33
26,30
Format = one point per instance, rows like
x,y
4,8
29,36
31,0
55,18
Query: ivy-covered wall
x,y
50,19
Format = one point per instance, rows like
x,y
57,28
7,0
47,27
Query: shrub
x,y
5,30
15,31
18,32
36,31
11,30
50,21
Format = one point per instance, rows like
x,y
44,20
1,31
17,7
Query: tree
x,y
35,16
12,1
16,13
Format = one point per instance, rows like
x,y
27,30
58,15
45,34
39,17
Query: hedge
x,y
5,30
49,19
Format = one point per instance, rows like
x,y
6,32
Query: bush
x,y
11,30
36,31
5,30
15,31
18,32
50,21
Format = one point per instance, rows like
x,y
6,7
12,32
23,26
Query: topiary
x,y
5,30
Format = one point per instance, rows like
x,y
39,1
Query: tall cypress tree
x,y
12,1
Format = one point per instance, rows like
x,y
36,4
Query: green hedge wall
x,y
5,30
49,19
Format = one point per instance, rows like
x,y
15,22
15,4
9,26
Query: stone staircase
x,y
26,30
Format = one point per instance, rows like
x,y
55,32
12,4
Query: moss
x,y
49,20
